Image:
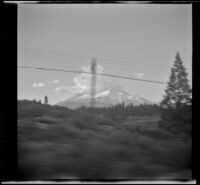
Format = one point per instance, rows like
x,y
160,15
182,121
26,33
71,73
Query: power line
x,y
99,58
77,71
63,55
111,66
121,68
130,69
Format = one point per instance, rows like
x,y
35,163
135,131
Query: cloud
x,y
38,84
138,75
61,88
82,82
42,84
53,82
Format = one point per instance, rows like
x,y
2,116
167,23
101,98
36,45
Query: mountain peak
x,y
105,98
104,93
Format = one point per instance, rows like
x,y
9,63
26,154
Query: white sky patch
x,y
38,84
61,88
53,82
138,75
42,84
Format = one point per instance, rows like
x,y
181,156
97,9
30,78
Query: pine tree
x,y
176,109
178,91
45,100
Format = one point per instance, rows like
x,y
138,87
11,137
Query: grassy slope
x,y
55,142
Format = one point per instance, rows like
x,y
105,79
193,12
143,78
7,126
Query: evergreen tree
x,y
178,92
176,109
45,100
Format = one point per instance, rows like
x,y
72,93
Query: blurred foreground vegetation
x,y
59,143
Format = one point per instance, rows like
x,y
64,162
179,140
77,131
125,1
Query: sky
x,y
133,40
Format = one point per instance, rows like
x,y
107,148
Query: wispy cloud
x,y
61,88
53,82
138,75
38,84
42,84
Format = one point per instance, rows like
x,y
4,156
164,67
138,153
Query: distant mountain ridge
x,y
104,99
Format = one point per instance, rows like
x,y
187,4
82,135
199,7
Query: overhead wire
x,y
99,58
103,74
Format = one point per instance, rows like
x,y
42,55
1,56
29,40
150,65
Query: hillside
x,y
59,143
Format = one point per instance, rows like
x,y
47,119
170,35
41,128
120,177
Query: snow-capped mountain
x,y
104,99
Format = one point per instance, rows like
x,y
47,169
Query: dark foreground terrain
x,y
59,143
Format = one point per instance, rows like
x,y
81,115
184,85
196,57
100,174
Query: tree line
x,y
121,111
